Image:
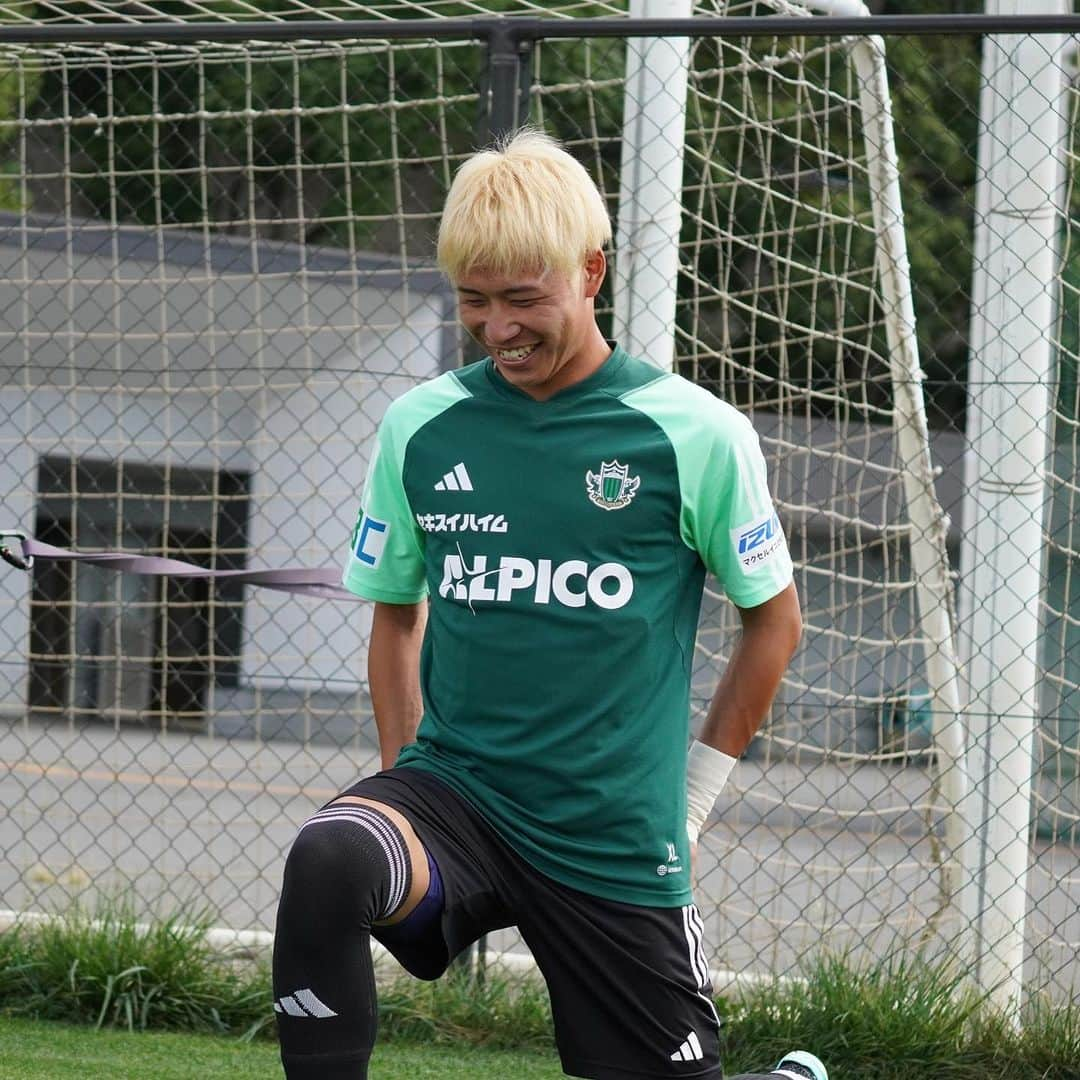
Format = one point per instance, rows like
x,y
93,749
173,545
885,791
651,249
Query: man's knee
x,y
349,863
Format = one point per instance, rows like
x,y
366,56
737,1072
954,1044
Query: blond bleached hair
x,y
522,206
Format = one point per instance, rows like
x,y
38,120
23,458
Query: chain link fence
x,y
217,271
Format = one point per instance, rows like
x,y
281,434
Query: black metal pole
x,y
533,29
481,960
504,79
526,48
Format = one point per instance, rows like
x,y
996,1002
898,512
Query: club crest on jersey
x,y
612,487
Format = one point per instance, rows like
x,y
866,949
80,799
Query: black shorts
x,y
629,985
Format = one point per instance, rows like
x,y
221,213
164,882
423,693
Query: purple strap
x,y
324,582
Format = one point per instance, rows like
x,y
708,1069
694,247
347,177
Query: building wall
x,y
109,352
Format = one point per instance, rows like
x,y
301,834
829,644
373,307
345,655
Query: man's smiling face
x,y
539,328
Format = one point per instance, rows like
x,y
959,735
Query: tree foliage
x,y
323,145
20,85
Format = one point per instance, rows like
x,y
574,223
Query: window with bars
x,y
125,648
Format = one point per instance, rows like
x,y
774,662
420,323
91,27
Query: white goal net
x,y
217,270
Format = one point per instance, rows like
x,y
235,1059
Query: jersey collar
x,y
599,378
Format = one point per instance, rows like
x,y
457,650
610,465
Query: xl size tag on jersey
x,y
370,540
758,542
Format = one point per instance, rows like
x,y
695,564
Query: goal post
x,y
646,270
1017,295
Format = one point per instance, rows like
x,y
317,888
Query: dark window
x,y
123,646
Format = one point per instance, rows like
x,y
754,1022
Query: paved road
x,y
784,868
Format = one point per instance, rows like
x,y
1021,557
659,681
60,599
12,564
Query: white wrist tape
x,y
707,770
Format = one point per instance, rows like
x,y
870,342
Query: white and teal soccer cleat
x,y
801,1065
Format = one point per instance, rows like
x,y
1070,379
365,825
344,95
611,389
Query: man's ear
x,y
595,271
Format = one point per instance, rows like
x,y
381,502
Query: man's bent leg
x,y
353,865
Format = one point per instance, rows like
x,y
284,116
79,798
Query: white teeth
x,y
515,354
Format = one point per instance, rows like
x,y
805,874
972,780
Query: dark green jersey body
x,y
563,545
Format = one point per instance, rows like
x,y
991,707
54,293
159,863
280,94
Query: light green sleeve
x,y
385,561
727,513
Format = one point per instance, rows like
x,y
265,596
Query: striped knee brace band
x,y
375,842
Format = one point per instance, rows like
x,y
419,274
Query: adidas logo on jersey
x,y
690,1050
303,1003
457,479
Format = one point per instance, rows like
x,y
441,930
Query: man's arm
x,y
397,632
770,635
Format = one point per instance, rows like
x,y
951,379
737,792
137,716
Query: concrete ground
x,y
796,858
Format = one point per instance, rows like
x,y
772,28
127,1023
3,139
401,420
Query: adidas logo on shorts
x,y
690,1050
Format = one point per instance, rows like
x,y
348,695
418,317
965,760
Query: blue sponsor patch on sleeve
x,y
758,542
371,536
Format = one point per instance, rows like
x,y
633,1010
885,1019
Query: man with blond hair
x,y
534,531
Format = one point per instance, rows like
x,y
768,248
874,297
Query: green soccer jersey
x,y
563,545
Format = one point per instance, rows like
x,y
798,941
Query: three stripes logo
x,y
304,1003
690,1049
457,479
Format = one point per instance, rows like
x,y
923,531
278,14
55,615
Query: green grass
x,y
899,1019
112,971
497,1014
41,1050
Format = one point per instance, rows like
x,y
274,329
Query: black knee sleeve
x,y
348,867
352,857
